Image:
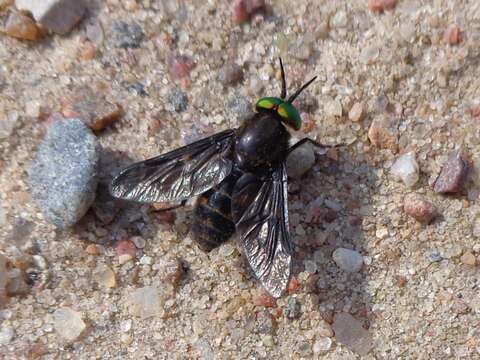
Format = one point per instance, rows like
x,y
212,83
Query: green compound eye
x,y
286,111
290,115
268,103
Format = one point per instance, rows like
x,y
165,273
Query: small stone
x,y
244,9
68,323
476,228
126,325
94,33
6,335
452,34
230,73
294,309
356,113
146,302
405,168
383,133
419,208
59,16
8,123
226,250
127,35
178,100
22,27
322,344
339,19
92,249
125,250
170,271
349,332
91,107
3,278
381,232
146,260
300,160
264,299
475,110
265,323
293,285
240,108
62,176
381,5
268,340
453,174
88,51
434,256
468,258
333,108
138,241
348,260
180,66
105,277
369,54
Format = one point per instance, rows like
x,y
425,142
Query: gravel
x,y
62,175
416,297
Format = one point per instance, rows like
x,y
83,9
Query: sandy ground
x,y
416,295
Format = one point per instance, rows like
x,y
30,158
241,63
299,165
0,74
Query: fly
x,y
241,180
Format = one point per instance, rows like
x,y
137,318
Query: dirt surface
x,y
417,294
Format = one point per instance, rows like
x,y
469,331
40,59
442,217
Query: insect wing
x,y
263,227
178,174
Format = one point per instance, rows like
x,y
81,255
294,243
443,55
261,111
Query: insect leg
x,y
314,143
173,207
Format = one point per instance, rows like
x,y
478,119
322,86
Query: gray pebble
x,y
62,176
294,308
434,256
178,100
265,323
59,16
348,260
300,160
127,35
349,332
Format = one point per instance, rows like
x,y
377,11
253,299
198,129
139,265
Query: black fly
x,y
241,177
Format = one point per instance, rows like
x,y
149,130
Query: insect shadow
x,y
328,204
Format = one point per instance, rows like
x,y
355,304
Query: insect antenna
x,y
283,95
304,86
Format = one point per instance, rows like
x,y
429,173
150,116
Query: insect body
x,y
240,175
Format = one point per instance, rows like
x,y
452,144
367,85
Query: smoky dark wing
x,y
178,174
260,212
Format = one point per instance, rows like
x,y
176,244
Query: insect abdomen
x,y
212,224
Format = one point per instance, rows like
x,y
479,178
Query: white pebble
x,y
126,325
405,168
146,260
68,323
322,344
348,260
6,335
